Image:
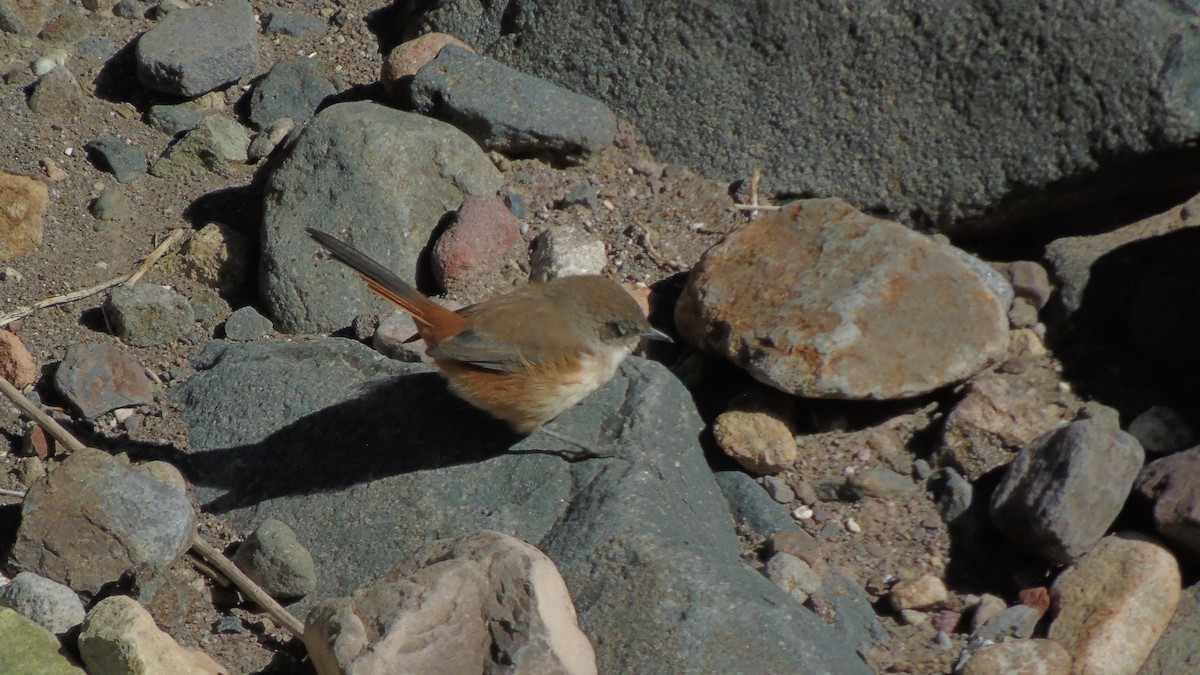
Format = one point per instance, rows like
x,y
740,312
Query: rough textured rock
x,y
481,602
1112,607
94,520
641,534
246,324
144,315
1176,651
1000,413
23,17
969,118
23,204
119,636
1043,657
56,94
482,233
376,176
753,509
50,604
290,89
507,110
1060,494
564,251
277,561
26,647
210,147
762,444
1172,486
218,256
1161,431
16,363
923,593
99,378
195,50
820,300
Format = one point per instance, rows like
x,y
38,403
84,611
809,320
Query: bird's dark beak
x,y
656,334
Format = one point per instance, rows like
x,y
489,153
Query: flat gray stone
x,y
277,561
246,324
375,176
510,111
125,161
641,535
196,50
971,118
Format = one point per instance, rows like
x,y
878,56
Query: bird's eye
x,y
615,329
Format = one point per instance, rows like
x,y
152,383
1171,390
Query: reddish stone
x,y
99,378
1172,485
480,236
37,444
1037,598
403,62
16,363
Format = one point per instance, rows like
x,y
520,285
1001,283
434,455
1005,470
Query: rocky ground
x,y
871,477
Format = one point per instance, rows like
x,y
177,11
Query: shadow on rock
x,y
406,424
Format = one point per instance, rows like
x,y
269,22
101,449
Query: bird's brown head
x,y
602,310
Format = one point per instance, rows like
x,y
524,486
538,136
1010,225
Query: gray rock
x,y
196,50
52,605
100,48
1176,649
94,520
1171,486
144,315
1061,493
364,171
988,120
173,119
246,324
277,561
516,206
509,111
1161,431
845,605
580,194
23,18
286,22
1018,621
793,575
952,493
134,10
56,94
336,446
99,378
269,138
211,146
840,304
290,89
1030,281
753,509
112,204
125,161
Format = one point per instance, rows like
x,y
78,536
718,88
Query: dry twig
x,y
127,279
754,205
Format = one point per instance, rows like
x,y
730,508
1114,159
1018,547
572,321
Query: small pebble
x,y
853,526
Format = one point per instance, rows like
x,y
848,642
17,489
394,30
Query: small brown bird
x,y
523,357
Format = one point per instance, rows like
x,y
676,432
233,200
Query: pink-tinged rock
x,y
480,236
821,300
484,602
392,338
1000,413
408,57
1113,606
1019,657
98,378
1172,486
23,204
16,363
